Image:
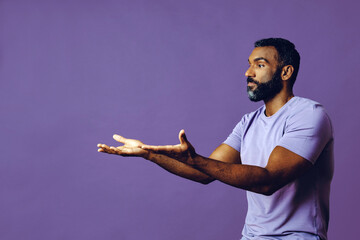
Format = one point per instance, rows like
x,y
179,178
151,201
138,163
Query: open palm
x,y
131,147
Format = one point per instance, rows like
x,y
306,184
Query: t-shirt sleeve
x,y
235,137
307,133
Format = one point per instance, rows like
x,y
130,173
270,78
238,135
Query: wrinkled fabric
x,y
299,210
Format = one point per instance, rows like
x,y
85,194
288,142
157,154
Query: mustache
x,y
251,80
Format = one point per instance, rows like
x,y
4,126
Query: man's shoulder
x,y
305,113
301,105
305,102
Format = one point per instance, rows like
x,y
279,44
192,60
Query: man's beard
x,y
265,91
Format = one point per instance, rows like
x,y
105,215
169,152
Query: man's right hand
x,y
131,148
171,157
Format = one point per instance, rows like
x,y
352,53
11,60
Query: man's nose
x,y
250,72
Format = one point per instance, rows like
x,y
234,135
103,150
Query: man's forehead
x,y
268,53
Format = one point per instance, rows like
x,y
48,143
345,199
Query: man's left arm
x,y
283,167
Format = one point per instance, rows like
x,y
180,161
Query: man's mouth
x,y
251,84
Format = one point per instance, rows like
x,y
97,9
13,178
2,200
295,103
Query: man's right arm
x,y
132,147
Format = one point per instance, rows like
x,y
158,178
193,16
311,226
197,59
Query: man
x,y
282,153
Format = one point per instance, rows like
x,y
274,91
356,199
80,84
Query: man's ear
x,y
287,72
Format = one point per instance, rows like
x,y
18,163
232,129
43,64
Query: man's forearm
x,y
179,168
251,178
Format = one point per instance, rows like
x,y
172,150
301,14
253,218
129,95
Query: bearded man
x,y
281,154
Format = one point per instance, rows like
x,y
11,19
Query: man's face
x,y
264,74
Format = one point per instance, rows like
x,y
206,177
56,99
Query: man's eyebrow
x,y
259,58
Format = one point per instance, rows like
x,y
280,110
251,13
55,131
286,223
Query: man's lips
x,y
251,84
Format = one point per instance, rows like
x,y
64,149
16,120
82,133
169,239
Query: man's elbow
x,y
268,190
206,181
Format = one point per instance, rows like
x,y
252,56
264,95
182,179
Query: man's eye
x,y
261,65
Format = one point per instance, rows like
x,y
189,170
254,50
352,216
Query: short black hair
x,y
287,54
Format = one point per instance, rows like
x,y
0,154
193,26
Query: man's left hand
x,y
183,152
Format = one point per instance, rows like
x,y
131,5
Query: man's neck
x,y
275,103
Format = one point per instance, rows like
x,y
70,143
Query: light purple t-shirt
x,y
299,210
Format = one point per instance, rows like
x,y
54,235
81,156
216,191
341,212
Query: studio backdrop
x,y
73,73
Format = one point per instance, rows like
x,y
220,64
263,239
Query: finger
x,y
182,137
100,145
103,145
119,138
106,150
103,150
118,150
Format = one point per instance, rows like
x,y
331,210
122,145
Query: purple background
x,y
72,73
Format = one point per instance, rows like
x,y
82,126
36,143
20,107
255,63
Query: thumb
x,y
119,138
182,137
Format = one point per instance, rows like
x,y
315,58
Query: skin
x,y
262,65
224,164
